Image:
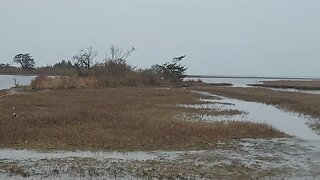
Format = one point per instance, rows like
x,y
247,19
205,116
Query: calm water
x,y
7,81
243,82
237,82
291,123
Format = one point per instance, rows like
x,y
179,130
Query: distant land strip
x,y
248,77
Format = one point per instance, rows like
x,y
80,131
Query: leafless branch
x,y
117,54
85,57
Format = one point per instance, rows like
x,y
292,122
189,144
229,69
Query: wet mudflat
x,y
242,159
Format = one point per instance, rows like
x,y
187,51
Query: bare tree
x,y
85,58
115,63
119,55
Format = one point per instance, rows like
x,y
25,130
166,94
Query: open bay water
x,y
8,81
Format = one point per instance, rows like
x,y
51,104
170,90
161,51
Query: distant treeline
x,y
8,69
111,71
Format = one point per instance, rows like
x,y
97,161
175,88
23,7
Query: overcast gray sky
x,y
219,37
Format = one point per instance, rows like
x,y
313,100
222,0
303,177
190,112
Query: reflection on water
x,y
291,123
7,81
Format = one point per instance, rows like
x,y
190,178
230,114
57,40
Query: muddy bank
x,y
244,159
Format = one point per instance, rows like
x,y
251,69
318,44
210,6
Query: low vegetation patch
x,y
113,119
77,82
45,82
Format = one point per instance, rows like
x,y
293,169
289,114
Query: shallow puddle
x,y
14,154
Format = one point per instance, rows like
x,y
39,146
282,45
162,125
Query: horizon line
x,y
248,77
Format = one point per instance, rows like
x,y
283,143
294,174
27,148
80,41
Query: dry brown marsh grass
x,y
2,92
130,79
112,119
64,82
